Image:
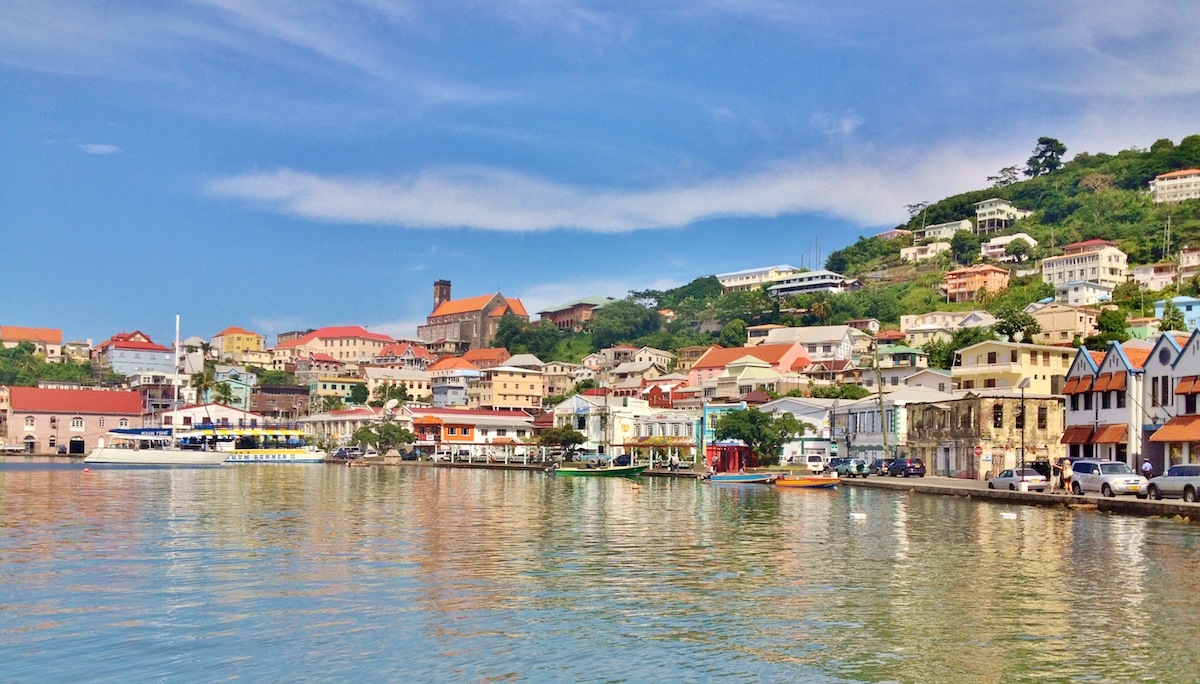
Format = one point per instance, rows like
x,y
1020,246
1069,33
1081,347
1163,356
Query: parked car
x,y
815,463
346,453
853,467
622,460
1179,481
410,455
1110,478
1011,479
906,467
832,464
879,466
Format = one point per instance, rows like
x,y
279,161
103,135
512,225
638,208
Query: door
x,y
76,446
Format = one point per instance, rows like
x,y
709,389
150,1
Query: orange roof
x,y
15,333
517,307
400,348
1177,174
458,306
451,362
1179,429
1076,434
1111,434
719,357
978,268
1185,385
1137,357
1097,356
499,311
496,354
75,401
234,330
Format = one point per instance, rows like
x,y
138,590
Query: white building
x,y
822,342
1154,277
811,282
606,426
1083,293
922,328
817,414
1097,261
923,252
944,231
995,249
995,215
751,278
1159,401
1104,406
1176,186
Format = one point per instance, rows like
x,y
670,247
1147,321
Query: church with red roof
x,y
458,325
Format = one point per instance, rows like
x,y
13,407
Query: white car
x,y
1011,479
814,463
1110,478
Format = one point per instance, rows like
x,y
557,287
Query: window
x,y
1074,402
1105,400
991,357
1087,401
1043,417
998,416
1165,386
30,421
968,384
1046,355
1120,400
895,380
990,382
1154,389
53,441
1019,419
77,423
1012,356
452,431
1189,404
500,432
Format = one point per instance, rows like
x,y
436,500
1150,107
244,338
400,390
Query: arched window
x,y
30,421
77,423
53,442
124,422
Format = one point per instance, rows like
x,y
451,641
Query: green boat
x,y
612,471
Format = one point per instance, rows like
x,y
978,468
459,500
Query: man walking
x,y
1147,469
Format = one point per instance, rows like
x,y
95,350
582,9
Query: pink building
x,y
43,421
782,357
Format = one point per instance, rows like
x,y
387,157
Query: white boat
x,y
150,446
265,444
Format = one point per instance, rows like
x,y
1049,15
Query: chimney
x,y
441,292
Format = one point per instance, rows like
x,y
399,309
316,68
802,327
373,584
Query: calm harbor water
x,y
279,573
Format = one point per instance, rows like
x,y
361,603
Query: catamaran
x,y
151,446
255,444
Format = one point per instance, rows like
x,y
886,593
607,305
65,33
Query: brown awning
x,y
1085,384
1119,382
1072,385
1179,429
1077,434
1102,382
1186,383
1111,434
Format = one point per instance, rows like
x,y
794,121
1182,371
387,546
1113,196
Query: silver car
x,y
1110,478
1012,479
1179,481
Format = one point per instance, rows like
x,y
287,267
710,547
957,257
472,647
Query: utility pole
x,y
879,398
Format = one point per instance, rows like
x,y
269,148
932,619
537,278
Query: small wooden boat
x,y
807,482
610,471
743,478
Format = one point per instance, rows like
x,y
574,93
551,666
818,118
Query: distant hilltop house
x,y
1083,293
1176,186
1188,306
996,249
1061,323
135,352
45,341
994,215
751,278
1096,261
235,340
969,283
944,231
572,315
458,325
893,234
1154,277
923,252
941,325
811,282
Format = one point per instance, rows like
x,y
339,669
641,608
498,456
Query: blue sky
x,y
279,164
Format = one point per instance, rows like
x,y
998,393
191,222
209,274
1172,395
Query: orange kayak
x,y
807,482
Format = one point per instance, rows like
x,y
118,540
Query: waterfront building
x,y
44,421
1096,261
404,356
783,358
345,343
859,428
918,253
944,231
1188,306
472,433
210,415
322,386
601,422
979,434
941,325
751,278
417,383
821,342
463,324
665,433
575,314
996,249
996,364
813,282
1083,293
507,388
817,413
995,215
1104,412
1180,436
1159,400
235,340
449,378
135,352
336,428
971,282
688,356
45,341
1176,186
279,403
1061,323
1154,277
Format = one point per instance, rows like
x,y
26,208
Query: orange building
x,y
966,284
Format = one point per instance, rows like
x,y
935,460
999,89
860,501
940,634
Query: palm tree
x,y
821,310
223,394
204,383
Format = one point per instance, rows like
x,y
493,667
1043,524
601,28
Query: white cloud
x,y
100,149
870,190
538,297
836,125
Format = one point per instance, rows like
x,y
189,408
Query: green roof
x,y
900,349
596,302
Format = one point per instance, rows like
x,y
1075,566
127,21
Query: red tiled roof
x,y
450,362
517,307
497,354
16,333
1179,429
234,330
75,401
459,306
1137,357
1097,356
499,311
1177,174
335,332
719,357
890,335
400,348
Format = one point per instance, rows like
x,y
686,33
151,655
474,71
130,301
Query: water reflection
x,y
280,572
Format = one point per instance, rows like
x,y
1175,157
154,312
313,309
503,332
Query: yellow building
x,y
330,386
996,364
236,340
507,387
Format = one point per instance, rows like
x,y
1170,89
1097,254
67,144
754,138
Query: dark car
x,y
622,460
880,466
907,467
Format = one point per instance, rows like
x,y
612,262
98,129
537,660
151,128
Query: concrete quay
x,y
946,486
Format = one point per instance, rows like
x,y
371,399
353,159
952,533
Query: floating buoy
x,y
635,485
1008,516
85,470
858,516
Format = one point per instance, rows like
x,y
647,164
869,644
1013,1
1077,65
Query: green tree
x,y
734,333
384,437
623,321
564,437
821,310
964,245
358,393
584,385
1172,318
222,393
839,392
384,393
1046,159
332,404
764,433
203,383
1013,321
276,377
1019,248
1006,177
941,352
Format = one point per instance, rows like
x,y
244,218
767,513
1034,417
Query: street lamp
x,y
1023,385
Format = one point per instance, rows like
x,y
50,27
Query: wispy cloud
x,y
836,125
867,190
538,297
100,149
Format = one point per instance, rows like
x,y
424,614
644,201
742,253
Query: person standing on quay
x,y
1147,469
1068,474
1056,474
